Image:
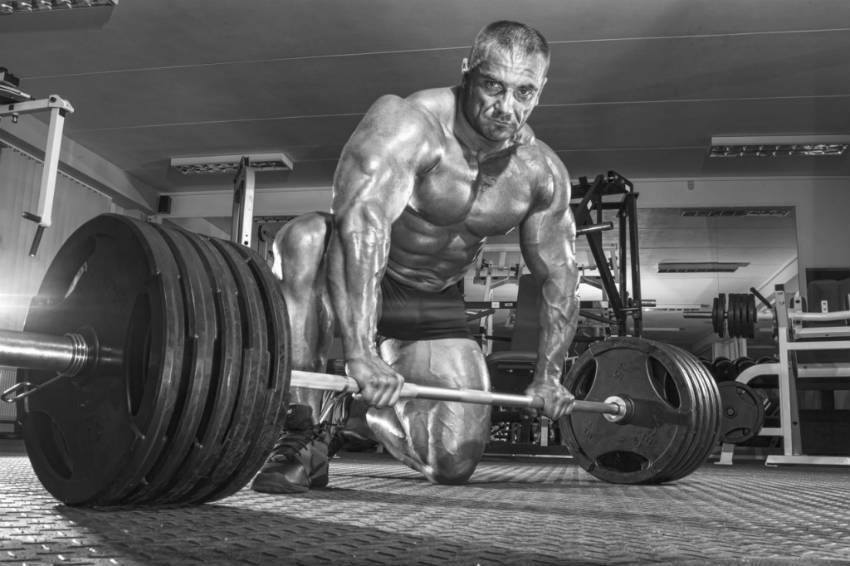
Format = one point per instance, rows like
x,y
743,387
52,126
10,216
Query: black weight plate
x,y
724,315
225,370
247,418
705,423
717,317
277,389
743,412
115,281
733,315
643,449
752,316
723,369
200,327
673,470
707,407
153,441
743,363
743,331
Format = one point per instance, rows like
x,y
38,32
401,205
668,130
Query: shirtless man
x,y
421,184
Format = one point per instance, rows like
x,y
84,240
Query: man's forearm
x,y
358,256
558,321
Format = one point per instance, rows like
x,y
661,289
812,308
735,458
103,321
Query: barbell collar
x,y
345,384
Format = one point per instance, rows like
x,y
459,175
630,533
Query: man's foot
x,y
299,460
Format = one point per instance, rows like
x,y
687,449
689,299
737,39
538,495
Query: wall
x,y
20,274
822,209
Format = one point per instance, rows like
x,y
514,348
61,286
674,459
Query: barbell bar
x,y
68,354
615,407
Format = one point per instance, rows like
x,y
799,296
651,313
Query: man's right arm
x,y
374,181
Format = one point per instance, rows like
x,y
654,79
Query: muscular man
x,y
421,184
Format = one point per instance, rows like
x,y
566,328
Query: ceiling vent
x,y
779,146
230,163
779,211
700,267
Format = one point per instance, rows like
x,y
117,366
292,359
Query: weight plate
x,y
743,412
277,387
707,417
114,281
723,369
225,371
248,415
200,325
724,315
685,455
743,363
647,447
717,317
752,316
733,315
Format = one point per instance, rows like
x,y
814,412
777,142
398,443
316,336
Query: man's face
x,y
502,91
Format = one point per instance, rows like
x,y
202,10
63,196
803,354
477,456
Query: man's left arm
x,y
547,240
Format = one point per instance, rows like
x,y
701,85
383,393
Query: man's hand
x,y
380,385
557,400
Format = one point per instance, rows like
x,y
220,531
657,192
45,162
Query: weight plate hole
x,y
51,443
138,350
584,380
663,383
622,461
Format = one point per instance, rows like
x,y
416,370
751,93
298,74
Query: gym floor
x,y
514,511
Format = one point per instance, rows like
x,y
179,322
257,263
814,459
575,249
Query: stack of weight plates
x,y
676,412
185,395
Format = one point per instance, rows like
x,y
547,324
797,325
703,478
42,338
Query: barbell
x,y
155,370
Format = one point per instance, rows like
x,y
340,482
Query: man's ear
x,y
464,66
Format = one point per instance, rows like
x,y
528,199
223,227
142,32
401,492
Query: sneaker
x,y
299,460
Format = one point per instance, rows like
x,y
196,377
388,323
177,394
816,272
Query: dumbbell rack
x,y
793,337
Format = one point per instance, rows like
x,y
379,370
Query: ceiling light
x,y
699,267
31,6
230,163
779,146
780,211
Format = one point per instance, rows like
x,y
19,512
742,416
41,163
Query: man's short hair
x,y
507,35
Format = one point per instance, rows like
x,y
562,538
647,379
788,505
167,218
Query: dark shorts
x,y
412,314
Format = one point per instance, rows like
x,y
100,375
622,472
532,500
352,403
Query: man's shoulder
x,y
428,108
535,150
440,102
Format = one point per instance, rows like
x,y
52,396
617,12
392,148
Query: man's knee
x,y
300,245
454,469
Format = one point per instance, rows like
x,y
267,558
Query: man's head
x,y
503,77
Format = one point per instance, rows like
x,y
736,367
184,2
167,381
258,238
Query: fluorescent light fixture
x,y
725,211
779,146
699,266
230,163
31,6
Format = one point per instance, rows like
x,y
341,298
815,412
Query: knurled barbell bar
x,y
155,370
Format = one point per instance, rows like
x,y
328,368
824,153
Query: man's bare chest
x,y
484,198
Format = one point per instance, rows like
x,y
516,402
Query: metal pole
x,y
65,354
341,383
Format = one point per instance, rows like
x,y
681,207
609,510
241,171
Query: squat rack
x,y
589,201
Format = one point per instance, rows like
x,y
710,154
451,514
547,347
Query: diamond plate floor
x,y
513,512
